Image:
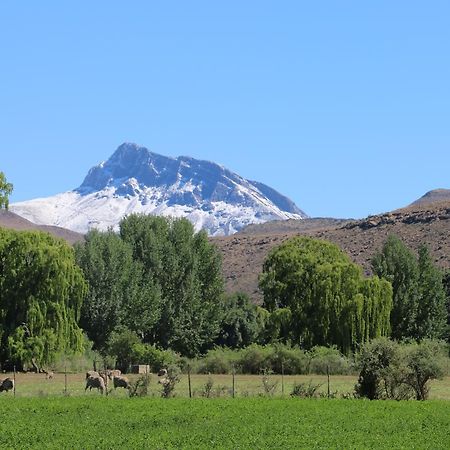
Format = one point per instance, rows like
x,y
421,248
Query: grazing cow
x,y
95,382
7,385
121,381
113,373
92,373
104,374
162,373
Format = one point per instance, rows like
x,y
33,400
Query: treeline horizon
x,y
157,285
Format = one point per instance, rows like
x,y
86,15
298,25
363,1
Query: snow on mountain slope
x,y
135,180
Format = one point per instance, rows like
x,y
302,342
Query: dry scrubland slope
x,y
10,220
245,252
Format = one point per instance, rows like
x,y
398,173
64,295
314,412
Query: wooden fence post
x,y
14,388
234,383
189,380
65,378
328,379
106,377
282,378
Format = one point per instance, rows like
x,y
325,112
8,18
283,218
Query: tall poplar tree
x,y
419,299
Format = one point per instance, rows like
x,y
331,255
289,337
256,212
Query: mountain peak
x,y
134,179
433,196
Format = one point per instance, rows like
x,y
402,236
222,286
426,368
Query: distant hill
x,y
10,220
434,196
245,252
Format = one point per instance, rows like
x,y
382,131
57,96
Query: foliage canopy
x,y
324,297
5,191
41,293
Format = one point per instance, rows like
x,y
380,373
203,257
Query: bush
x,y
139,387
292,360
255,358
217,361
424,362
399,371
153,356
268,384
120,346
378,363
170,381
76,363
322,359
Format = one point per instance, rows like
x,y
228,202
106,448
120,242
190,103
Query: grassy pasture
x,y
240,423
35,385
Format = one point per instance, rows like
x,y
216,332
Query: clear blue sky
x,y
344,106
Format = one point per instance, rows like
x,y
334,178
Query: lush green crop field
x,y
241,423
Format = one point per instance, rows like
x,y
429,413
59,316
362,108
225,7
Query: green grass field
x,y
240,423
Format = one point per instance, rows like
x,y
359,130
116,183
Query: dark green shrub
x,y
255,358
155,357
323,360
376,362
424,362
284,357
218,361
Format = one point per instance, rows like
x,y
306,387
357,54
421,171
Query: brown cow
x,y
95,382
121,381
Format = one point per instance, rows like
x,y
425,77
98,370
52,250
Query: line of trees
x,y
157,284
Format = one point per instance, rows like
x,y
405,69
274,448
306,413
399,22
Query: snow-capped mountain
x,y
136,180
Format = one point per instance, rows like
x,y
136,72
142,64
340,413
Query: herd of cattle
x,y
99,380
96,380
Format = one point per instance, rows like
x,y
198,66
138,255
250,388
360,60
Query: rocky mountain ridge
x,y
136,180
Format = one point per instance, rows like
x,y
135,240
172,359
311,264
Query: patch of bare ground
x,y
10,220
244,253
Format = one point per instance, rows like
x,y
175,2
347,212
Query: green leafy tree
x,y
446,282
240,323
329,300
41,293
397,264
431,310
120,346
119,293
186,267
5,191
418,292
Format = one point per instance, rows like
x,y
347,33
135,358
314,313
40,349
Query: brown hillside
x,y
244,253
10,220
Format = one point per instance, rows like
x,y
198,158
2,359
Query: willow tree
x,y
41,293
330,301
